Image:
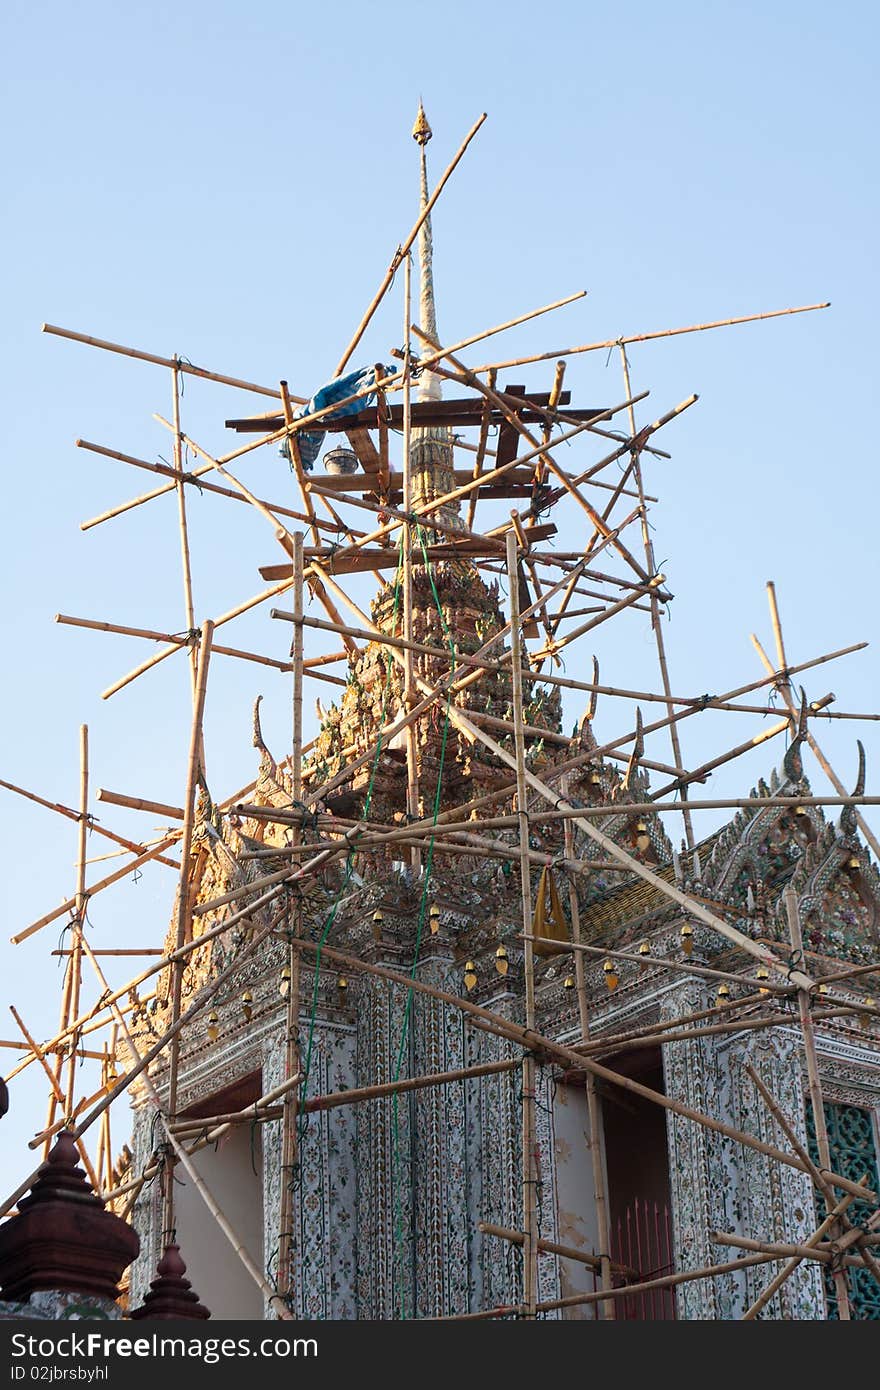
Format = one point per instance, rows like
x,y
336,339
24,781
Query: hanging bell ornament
x,y
643,839
723,995
865,1019
341,987
612,979
247,1005
502,961
568,982
284,982
687,938
644,952
762,973
378,919
470,975
213,1026
434,919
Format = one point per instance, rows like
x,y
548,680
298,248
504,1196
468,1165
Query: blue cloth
x,y
310,443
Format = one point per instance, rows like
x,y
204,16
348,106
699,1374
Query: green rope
x,y
407,1013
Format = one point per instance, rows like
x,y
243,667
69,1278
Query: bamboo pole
x,y
814,1083
647,337
236,612
282,535
667,1281
188,607
172,362
596,1143
139,803
296,462
482,450
686,968
180,639
290,1106
403,250
183,932
550,1247
78,921
60,1097
656,615
429,361
95,826
195,478
94,888
529,1136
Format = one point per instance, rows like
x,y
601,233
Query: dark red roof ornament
x,y
62,1237
171,1296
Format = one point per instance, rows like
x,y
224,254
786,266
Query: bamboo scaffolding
x,y
172,362
92,889
647,337
434,357
596,1140
195,478
814,1083
861,1240
685,967
290,1106
57,1091
228,617
181,639
552,1050
482,450
94,825
551,1247
357,1095
543,455
529,1136
78,921
186,565
183,931
656,616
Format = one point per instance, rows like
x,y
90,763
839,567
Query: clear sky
x,y
230,182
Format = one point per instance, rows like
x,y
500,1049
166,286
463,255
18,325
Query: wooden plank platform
x,y
465,412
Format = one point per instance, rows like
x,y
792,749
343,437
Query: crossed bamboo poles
x,y
511,544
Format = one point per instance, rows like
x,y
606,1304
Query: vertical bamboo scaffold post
x,y
80,907
184,907
594,1108
813,1080
290,1110
529,1175
181,513
656,615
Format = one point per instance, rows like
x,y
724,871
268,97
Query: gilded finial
x,y
421,131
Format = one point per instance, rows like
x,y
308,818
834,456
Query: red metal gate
x,y
641,1237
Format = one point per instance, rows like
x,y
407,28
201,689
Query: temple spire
x,y
429,383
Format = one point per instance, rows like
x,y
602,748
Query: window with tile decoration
x,y
852,1143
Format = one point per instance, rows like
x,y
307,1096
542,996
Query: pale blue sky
x,y
229,182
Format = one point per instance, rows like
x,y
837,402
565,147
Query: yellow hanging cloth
x,y
548,922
